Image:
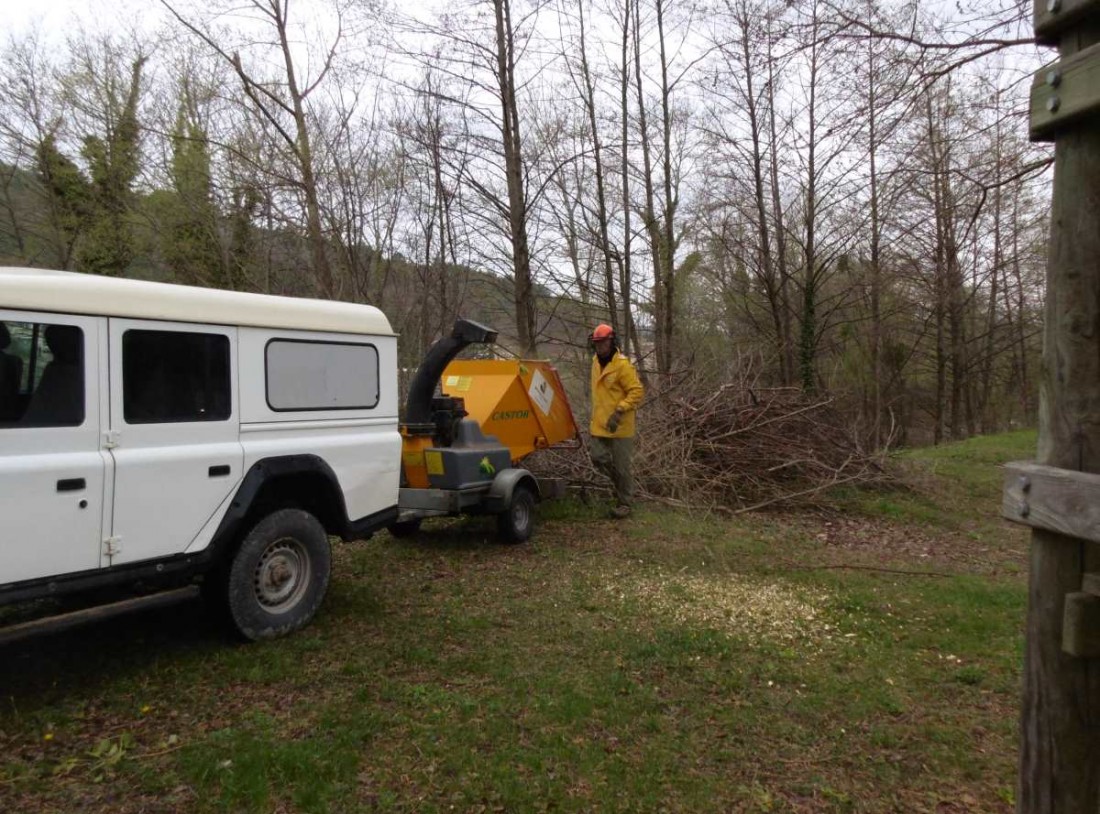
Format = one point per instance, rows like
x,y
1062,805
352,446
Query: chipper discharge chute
x,y
459,449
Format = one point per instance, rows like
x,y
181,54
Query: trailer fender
x,y
504,484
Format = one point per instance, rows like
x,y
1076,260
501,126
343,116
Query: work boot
x,y
621,512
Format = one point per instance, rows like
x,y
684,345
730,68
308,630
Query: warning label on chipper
x,y
459,384
541,392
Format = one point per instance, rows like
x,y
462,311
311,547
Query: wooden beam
x,y
1090,583
1081,625
1064,93
1052,499
1052,17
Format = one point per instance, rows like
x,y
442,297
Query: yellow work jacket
x,y
614,387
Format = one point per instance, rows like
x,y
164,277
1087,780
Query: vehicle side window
x,y
321,375
41,375
174,376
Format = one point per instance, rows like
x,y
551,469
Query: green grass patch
x,y
952,488
675,662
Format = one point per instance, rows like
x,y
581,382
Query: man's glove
x,y
613,422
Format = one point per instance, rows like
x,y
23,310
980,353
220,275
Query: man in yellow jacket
x,y
616,395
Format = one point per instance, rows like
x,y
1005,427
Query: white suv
x,y
154,433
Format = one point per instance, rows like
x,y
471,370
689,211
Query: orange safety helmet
x,y
603,331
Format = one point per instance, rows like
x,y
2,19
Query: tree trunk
x,y
787,362
939,282
956,332
808,334
1023,379
661,231
649,210
524,294
442,221
988,421
625,270
321,269
601,198
767,263
666,321
876,259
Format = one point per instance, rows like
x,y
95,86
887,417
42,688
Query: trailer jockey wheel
x,y
515,524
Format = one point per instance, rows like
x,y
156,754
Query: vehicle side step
x,y
65,621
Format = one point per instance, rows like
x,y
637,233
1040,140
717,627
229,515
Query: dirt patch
x,y
871,541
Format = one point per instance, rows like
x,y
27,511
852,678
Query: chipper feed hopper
x,y
460,450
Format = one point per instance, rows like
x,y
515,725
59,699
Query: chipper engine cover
x,y
518,401
470,460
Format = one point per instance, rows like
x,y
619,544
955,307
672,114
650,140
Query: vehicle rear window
x,y
174,377
321,375
41,375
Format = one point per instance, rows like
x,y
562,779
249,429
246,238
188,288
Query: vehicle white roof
x,y
67,292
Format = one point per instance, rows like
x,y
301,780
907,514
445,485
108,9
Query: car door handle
x,y
70,484
219,471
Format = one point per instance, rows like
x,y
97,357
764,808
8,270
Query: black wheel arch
x,y
505,483
304,482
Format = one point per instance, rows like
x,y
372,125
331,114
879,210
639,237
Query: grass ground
x,y
860,658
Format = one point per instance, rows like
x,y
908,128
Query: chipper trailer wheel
x,y
517,521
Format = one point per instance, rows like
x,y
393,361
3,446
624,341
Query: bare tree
x,y
583,79
661,192
737,128
281,103
514,170
477,53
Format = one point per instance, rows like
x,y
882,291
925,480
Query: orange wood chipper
x,y
461,450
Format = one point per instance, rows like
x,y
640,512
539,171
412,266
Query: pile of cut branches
x,y
734,449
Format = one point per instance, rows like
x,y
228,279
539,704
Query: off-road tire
x,y
279,575
515,523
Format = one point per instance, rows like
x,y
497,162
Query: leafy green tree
x,y
242,236
189,237
69,195
113,162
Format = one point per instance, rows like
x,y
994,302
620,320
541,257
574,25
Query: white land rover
x,y
151,433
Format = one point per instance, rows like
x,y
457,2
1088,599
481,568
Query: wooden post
x,y
1060,720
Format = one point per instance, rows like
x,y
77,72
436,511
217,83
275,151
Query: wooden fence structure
x,y
1059,494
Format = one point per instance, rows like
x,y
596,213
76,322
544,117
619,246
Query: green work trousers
x,y
613,457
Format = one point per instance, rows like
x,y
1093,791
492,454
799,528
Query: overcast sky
x,y
57,18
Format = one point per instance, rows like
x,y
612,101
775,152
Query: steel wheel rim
x,y
282,575
521,515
